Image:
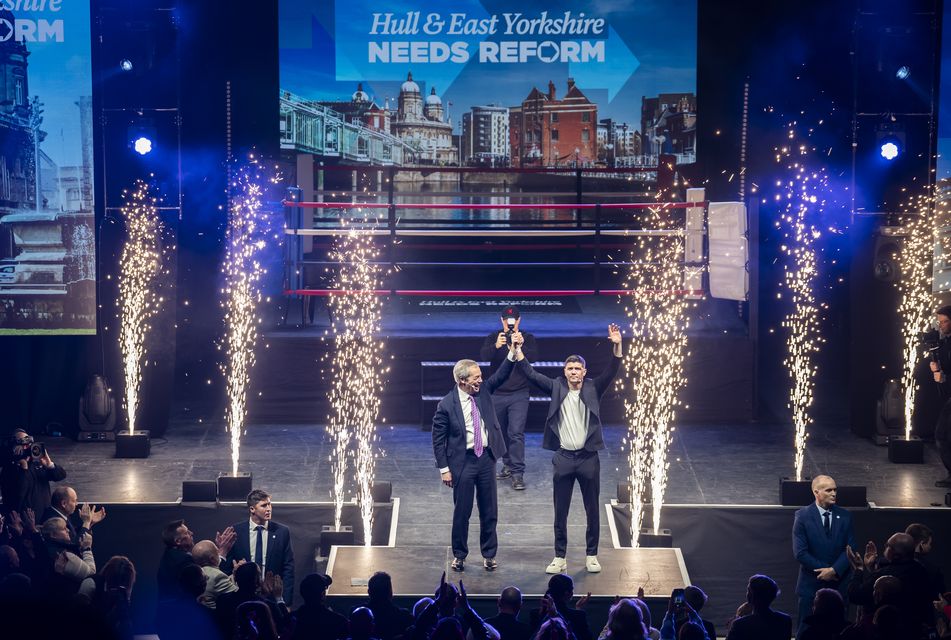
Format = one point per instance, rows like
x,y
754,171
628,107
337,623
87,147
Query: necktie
x,y
476,427
826,522
259,549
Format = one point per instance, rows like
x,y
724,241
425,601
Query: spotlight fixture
x,y
903,72
125,64
142,145
890,149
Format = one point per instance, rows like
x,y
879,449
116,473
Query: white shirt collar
x,y
254,525
463,396
822,511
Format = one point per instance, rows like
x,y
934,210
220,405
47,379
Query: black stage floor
x,y
709,465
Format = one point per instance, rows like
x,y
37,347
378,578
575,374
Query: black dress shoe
x,y
943,483
517,482
504,473
490,564
458,564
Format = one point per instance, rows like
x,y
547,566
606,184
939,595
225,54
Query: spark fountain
x,y
915,287
139,264
357,363
801,192
246,237
654,362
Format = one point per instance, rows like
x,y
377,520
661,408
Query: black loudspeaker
x,y
133,445
874,332
234,488
329,538
382,491
199,491
795,493
663,538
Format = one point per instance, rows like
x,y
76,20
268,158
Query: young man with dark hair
x,y
390,620
764,623
264,542
573,432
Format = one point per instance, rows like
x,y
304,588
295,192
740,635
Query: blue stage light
x,y
890,149
142,145
125,64
903,72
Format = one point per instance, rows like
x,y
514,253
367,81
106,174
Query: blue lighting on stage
x,y
142,145
125,64
903,72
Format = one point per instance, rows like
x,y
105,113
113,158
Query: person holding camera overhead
x,y
27,473
511,399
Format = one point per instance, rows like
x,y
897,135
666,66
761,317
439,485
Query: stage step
x,y
416,570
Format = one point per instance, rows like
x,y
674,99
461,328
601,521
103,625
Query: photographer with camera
x,y
27,473
932,406
680,613
512,398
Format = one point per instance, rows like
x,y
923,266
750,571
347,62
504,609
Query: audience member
x,y
827,619
113,597
554,628
9,561
506,622
886,590
679,613
652,632
557,603
924,543
71,564
179,542
696,598
389,620
764,623
254,621
899,561
205,555
316,620
63,504
625,622
362,624
692,631
183,617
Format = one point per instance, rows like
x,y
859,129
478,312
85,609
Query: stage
x,y
722,505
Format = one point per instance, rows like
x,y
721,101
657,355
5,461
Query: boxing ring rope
x,y
395,227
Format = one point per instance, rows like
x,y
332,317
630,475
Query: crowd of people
x,y
51,584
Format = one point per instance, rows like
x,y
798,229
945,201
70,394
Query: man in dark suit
x,y
507,622
265,542
467,440
573,432
179,542
63,505
821,533
765,623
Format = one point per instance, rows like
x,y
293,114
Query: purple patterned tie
x,y
476,427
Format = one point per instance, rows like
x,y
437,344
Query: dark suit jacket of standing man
x,y
814,549
280,554
591,392
449,424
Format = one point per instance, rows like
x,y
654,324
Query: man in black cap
x,y
315,620
511,399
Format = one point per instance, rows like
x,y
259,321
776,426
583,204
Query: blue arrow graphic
x,y
618,67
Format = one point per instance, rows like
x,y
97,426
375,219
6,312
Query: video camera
x,y
930,342
25,448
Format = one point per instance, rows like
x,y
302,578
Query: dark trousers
x,y
585,467
512,411
942,435
478,477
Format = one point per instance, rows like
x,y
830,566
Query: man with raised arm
x,y
573,432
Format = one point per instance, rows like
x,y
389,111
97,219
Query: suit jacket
x,y
218,583
509,627
280,554
74,525
449,424
591,392
770,625
814,549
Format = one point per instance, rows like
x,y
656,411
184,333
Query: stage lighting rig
x,y
890,148
142,145
125,65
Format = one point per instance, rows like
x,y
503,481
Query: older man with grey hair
x,y
467,441
205,555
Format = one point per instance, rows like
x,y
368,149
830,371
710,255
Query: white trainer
x,y
591,564
558,565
